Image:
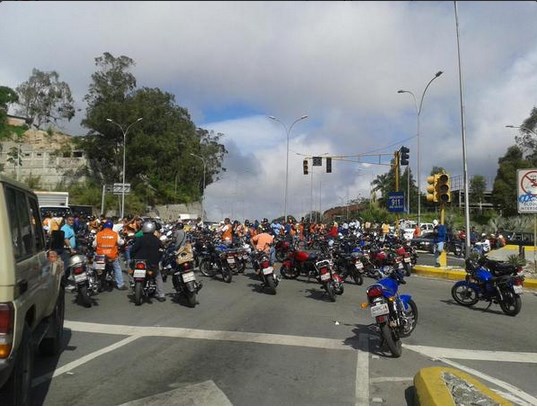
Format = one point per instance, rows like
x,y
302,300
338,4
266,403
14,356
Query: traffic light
x,y
404,155
431,188
328,164
443,188
305,165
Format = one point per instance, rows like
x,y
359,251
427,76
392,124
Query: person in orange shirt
x,y
263,241
107,243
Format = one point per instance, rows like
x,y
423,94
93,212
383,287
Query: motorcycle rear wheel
x,y
408,269
392,340
138,293
329,287
191,299
358,278
511,304
226,275
464,294
83,296
271,284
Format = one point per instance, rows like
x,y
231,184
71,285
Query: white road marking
x,y
467,354
66,368
198,394
362,372
391,379
186,333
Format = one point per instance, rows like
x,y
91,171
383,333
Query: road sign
x,y
527,190
120,188
396,202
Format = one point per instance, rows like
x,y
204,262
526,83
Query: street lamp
x,y
418,112
203,192
288,130
124,147
521,128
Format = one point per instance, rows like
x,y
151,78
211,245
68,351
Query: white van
x,y
32,299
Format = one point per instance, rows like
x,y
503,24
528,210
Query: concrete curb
x,y
449,273
432,390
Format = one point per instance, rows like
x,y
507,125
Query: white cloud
x,y
234,63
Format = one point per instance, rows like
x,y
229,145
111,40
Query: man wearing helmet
x,y
149,248
107,243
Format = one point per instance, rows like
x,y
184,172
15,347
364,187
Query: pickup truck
x,y
32,297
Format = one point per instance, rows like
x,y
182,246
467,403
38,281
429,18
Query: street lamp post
x,y
203,193
288,131
418,113
124,148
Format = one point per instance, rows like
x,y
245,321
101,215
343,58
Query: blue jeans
x,y
438,248
118,274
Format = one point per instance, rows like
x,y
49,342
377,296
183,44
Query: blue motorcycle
x,y
396,315
491,281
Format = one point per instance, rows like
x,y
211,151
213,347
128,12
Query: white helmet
x,y
435,222
75,260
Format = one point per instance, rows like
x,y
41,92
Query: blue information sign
x,y
396,202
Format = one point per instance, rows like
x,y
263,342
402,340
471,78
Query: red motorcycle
x,y
282,247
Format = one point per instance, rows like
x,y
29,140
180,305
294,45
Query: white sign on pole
x,y
527,190
120,188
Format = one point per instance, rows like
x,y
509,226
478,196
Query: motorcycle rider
x,y
263,241
179,236
107,243
150,248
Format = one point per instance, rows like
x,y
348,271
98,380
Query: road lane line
x,y
391,379
69,366
186,333
362,371
466,354
515,391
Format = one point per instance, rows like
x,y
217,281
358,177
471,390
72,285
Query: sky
x,y
341,63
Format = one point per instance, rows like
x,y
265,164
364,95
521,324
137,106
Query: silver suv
x,y
32,300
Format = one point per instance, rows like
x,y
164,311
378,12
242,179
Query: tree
x,y
477,188
504,190
7,97
44,99
157,149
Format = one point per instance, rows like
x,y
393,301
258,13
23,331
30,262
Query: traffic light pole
x,y
396,160
442,259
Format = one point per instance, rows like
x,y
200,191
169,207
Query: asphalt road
x,y
241,346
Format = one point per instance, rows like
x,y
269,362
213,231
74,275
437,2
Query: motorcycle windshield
x,y
390,286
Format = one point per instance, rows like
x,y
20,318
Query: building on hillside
x,y
50,157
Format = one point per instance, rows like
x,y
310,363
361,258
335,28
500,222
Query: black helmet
x,y
149,227
179,225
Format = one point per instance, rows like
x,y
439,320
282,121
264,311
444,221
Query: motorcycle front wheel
x,y
392,340
464,294
411,315
511,303
207,268
280,255
138,293
287,272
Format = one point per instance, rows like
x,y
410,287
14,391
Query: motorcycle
x,y
183,278
143,282
349,265
299,262
491,281
104,272
261,264
282,247
396,315
84,279
330,281
212,261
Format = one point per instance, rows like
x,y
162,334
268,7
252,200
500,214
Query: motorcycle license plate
x,y
407,259
231,260
138,273
517,289
80,277
359,265
325,276
379,309
268,270
99,266
189,277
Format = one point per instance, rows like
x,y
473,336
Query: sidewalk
x,y
458,273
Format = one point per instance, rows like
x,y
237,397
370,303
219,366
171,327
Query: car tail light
x,y
374,291
78,269
7,317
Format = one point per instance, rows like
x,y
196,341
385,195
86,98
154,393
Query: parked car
x,y
424,242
